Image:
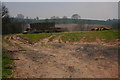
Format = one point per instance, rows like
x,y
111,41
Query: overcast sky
x,y
87,10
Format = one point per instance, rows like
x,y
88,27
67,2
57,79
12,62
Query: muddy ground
x,y
62,60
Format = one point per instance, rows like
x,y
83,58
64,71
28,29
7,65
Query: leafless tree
x,y
37,18
4,11
75,16
64,17
53,17
20,16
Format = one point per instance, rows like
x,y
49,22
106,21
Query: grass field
x,y
37,37
6,64
91,35
77,36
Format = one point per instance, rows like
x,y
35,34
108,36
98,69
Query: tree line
x,y
15,25
10,26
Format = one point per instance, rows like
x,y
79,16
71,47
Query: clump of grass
x,y
103,35
6,64
75,36
89,36
36,37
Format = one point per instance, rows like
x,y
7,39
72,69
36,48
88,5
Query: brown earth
x,y
62,60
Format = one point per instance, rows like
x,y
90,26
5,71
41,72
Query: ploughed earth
x,y
62,60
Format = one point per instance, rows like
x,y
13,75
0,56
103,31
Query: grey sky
x,y
87,10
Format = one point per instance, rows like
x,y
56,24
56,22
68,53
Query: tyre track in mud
x,y
59,60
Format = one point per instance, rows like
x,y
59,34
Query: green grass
x,y
87,36
106,35
0,61
6,63
37,37
91,36
54,35
74,36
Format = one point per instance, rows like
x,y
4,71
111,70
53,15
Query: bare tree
x,y
27,17
53,17
64,17
37,18
4,11
75,16
20,16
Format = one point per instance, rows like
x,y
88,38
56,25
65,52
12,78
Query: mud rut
x,y
62,60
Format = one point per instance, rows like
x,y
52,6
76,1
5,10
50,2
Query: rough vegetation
x,y
62,55
84,54
86,36
6,64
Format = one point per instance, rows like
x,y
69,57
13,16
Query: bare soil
x,y
62,60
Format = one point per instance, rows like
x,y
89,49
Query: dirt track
x,y
62,60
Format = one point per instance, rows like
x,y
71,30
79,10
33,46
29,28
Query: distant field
x,y
110,35
72,21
